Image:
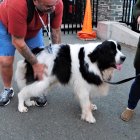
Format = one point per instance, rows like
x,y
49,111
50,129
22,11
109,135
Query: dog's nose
x,y
123,58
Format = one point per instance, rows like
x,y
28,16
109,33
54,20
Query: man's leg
x,y
7,52
6,70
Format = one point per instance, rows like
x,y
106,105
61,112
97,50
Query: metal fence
x,y
127,16
74,13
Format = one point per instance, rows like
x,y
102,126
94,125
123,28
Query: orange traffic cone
x,y
87,33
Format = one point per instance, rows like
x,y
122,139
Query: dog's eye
x,y
113,52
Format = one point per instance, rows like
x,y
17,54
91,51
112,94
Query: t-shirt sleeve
x,y
57,19
17,21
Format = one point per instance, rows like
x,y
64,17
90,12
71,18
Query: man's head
x,y
45,6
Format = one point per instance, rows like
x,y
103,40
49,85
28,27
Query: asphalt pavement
x,y
60,119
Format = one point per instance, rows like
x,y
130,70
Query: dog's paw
x,y
30,103
88,118
93,107
22,109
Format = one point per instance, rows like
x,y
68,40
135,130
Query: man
x,y
17,33
134,94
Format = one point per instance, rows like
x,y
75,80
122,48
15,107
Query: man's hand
x,y
138,20
38,70
24,50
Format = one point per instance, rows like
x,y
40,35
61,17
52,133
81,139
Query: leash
x,y
49,48
122,81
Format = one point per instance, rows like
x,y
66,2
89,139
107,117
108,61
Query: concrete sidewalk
x,y
60,119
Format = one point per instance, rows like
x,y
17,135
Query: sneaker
x,y
127,114
5,96
41,101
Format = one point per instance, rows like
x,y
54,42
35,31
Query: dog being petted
x,y
85,67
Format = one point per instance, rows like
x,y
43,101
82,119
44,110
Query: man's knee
x,y
6,61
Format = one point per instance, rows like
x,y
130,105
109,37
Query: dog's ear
x,y
119,46
93,56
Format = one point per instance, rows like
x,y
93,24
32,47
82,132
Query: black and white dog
x,y
85,67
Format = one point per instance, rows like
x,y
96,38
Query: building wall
x,y
110,10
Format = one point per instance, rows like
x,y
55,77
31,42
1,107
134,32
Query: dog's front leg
x,y
21,99
85,103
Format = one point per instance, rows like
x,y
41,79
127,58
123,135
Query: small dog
x,y
85,67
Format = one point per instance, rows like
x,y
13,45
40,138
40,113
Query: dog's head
x,y
107,54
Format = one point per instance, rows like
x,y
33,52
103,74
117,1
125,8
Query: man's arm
x,y
24,50
56,35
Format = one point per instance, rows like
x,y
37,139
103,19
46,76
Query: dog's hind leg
x,y
83,96
32,90
20,74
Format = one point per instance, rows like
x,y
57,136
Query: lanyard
x,y
45,27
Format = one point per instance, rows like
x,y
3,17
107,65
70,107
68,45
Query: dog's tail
x,y
20,74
